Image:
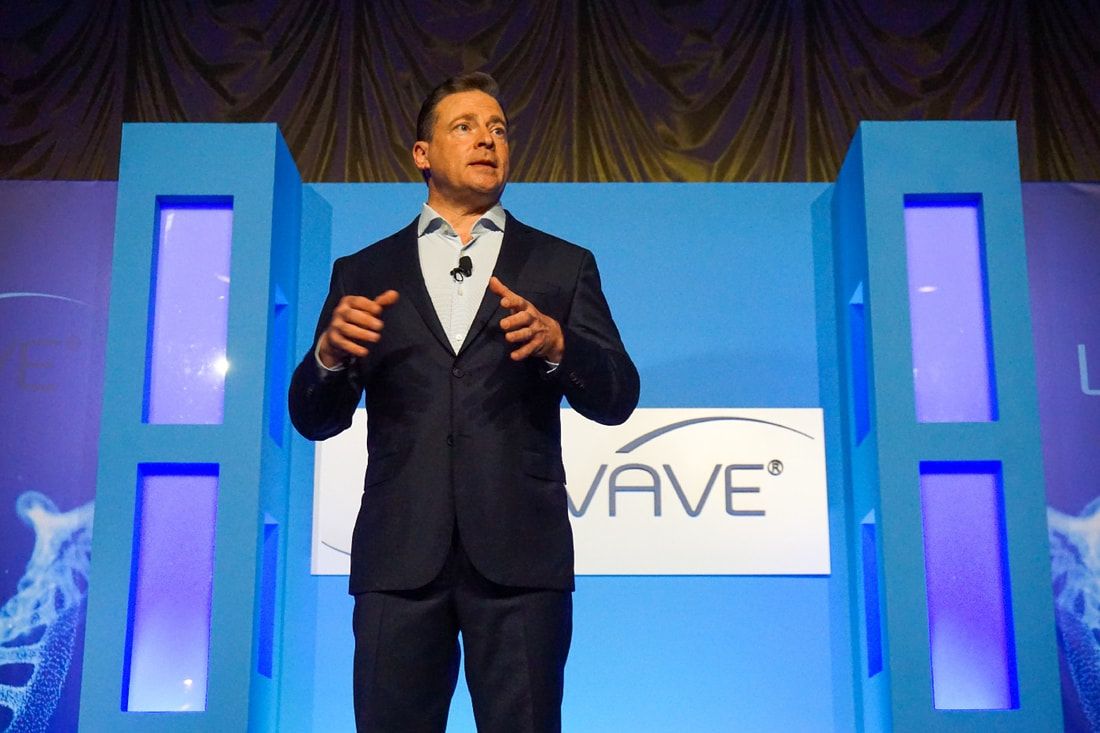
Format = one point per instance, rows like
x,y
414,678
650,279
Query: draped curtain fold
x,y
596,90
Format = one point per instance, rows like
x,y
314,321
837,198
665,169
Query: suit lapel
x,y
411,284
513,256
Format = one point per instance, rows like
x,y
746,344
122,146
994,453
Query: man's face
x,y
467,157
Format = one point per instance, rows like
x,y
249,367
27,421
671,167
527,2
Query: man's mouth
x,y
487,163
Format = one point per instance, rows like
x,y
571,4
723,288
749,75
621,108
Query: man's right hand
x,y
356,322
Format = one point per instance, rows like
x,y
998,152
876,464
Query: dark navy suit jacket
x,y
471,439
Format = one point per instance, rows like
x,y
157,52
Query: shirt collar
x,y
430,220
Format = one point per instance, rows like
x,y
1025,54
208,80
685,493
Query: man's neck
x,y
461,218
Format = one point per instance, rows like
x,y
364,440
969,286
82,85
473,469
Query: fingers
x,y
529,348
333,349
523,334
508,299
387,298
364,312
535,333
367,305
345,345
359,303
356,322
525,325
353,332
496,286
358,318
517,320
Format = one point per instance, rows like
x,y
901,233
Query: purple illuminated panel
x,y
168,645
973,647
952,363
186,364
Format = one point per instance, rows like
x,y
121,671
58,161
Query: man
x,y
463,330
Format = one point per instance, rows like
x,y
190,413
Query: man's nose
x,y
485,138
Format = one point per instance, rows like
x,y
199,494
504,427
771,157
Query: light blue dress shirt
x,y
439,248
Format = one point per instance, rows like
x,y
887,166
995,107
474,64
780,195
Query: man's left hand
x,y
536,333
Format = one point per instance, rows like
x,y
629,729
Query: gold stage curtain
x,y
611,90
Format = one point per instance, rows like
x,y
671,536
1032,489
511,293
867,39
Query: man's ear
x,y
420,156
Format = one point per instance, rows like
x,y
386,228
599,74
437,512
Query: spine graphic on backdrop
x,y
38,624
1075,562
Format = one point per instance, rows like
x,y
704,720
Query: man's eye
x,y
500,132
462,127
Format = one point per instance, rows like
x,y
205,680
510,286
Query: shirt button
x,y
450,440
458,373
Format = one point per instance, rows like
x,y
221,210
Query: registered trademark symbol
x,y
775,467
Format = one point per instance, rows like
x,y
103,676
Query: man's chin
x,y
486,180
473,194
490,190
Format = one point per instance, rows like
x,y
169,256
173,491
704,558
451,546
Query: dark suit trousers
x,y
407,653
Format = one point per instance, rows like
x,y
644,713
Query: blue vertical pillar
x,y
188,553
925,290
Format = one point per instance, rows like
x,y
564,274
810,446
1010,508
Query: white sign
x,y
694,491
339,464
699,492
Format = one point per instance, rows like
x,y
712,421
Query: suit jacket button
x,y
451,440
457,372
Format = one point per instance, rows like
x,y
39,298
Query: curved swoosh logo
x,y
646,437
5,296
334,547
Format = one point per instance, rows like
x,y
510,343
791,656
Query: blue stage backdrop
x,y
650,654
711,286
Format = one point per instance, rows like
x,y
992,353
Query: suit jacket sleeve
x,y
596,374
322,405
